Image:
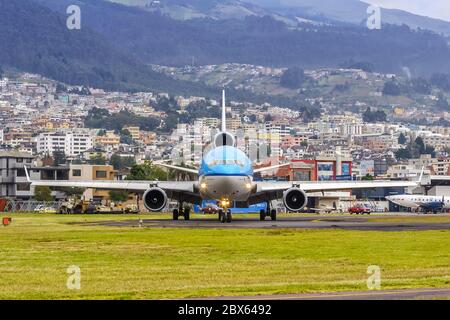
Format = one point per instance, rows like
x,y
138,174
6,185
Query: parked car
x,y
210,209
43,209
359,209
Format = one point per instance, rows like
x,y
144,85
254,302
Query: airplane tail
x,y
421,175
224,112
224,138
27,174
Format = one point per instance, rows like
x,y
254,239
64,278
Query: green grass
x,y
414,219
134,263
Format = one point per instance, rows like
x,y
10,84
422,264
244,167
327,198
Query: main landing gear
x,y
225,217
185,212
272,213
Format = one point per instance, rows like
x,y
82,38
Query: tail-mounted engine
x,y
224,139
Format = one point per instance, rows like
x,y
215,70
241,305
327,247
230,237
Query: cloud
x,y
432,8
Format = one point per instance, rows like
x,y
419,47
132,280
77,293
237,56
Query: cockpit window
x,y
226,162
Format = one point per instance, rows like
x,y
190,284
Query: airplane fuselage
x,y
421,201
226,175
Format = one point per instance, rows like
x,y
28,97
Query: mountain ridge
x,y
331,11
157,39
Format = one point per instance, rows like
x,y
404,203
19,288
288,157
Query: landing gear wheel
x,y
273,214
175,214
222,216
262,215
187,214
229,217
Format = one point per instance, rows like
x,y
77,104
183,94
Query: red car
x,y
210,209
359,209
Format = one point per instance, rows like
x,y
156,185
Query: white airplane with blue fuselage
x,y
226,176
427,203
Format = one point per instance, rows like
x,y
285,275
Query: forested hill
x,y
35,39
158,39
116,43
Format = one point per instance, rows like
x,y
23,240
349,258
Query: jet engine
x,y
295,199
224,139
155,199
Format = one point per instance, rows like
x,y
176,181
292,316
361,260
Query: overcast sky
x,y
432,8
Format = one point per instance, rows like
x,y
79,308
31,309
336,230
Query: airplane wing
x,y
274,190
185,190
188,170
432,205
271,168
132,186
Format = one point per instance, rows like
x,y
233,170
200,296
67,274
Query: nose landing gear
x,y
225,217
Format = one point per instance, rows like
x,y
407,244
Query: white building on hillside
x,y
72,143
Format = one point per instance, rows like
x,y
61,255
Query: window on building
x,y
23,187
76,173
21,172
100,174
19,160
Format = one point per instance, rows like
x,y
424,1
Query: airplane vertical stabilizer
x,y
224,113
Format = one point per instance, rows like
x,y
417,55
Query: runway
x,y
313,222
407,294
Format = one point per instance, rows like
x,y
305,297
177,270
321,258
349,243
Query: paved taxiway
x,y
312,222
407,294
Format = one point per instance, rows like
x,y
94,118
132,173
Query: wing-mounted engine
x,y
155,199
295,199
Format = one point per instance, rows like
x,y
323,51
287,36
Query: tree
x,y
119,162
43,193
430,150
125,132
392,88
72,192
367,177
421,86
179,175
419,142
414,149
59,157
97,160
293,78
447,150
101,119
118,195
402,139
147,171
441,81
442,102
126,139
374,116
403,154
268,117
365,66
60,88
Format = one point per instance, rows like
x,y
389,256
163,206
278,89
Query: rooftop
x,y
15,154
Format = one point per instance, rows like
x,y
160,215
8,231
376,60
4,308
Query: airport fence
x,y
14,206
